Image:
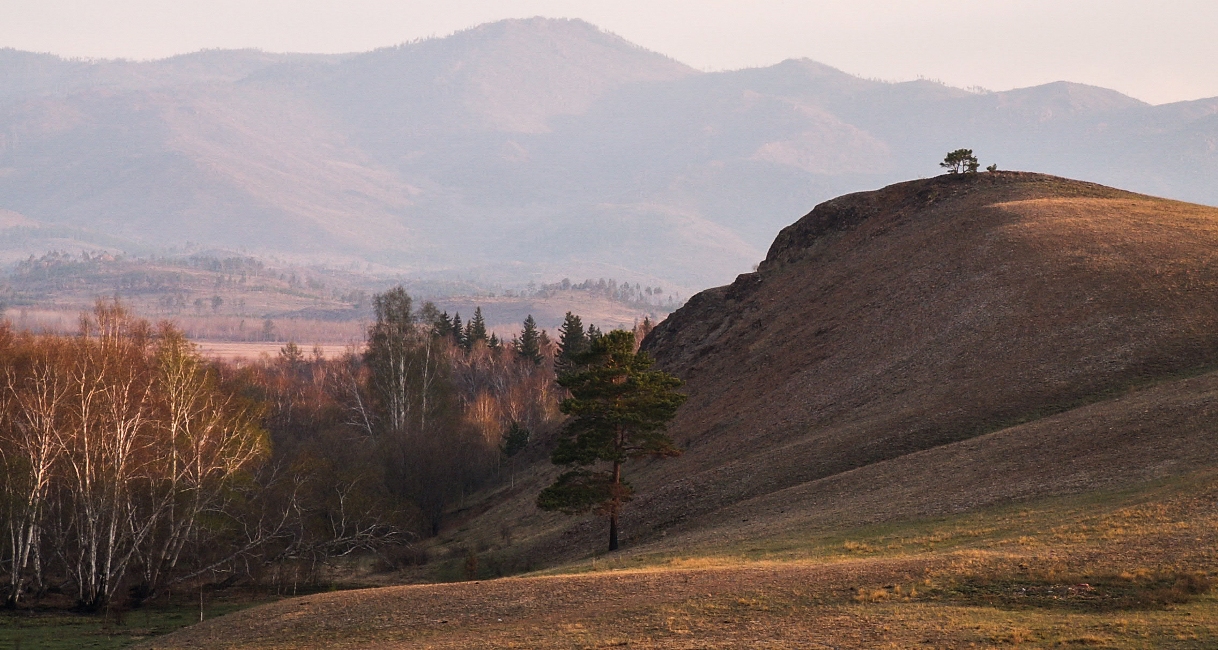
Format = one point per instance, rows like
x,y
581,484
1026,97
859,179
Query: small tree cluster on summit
x,y
962,161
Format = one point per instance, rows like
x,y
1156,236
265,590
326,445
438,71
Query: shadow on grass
x,y
1095,594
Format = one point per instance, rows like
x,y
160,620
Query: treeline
x,y
634,295
170,285
130,464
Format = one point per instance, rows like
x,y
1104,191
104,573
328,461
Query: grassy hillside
x,y
963,411
929,316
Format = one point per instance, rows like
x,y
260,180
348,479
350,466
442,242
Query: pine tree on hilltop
x,y
528,345
619,409
960,161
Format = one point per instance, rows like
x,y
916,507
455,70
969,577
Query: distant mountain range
x,y
520,150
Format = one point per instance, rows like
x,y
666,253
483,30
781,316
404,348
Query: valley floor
x,y
1119,569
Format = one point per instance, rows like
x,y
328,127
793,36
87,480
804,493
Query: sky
x,y
1157,51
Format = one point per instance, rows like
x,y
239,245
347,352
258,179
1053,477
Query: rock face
x,y
888,323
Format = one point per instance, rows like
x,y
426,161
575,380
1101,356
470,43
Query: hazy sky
x,y
1155,50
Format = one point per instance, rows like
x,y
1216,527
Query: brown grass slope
x,y
1023,313
932,347
885,323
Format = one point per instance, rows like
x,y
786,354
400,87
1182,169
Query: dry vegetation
x,y
961,412
1125,569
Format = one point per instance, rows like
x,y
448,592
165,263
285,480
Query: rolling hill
x,y
517,151
929,404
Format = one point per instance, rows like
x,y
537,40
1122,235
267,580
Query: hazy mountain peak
x,y
512,75
1067,98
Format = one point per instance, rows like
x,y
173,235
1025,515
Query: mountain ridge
x,y
527,150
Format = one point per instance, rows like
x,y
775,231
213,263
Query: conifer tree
x,y
619,408
572,342
443,326
528,345
494,343
475,330
960,161
458,331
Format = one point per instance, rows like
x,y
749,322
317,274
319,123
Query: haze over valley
x,y
523,150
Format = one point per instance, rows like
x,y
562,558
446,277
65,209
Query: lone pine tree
x,y
620,409
960,161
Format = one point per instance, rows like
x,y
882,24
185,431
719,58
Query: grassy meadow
x,y
1129,568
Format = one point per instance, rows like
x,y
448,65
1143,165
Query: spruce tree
x,y
475,330
443,326
528,345
458,331
572,342
619,408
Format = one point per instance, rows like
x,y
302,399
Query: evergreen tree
x,y
572,340
458,331
291,356
528,345
494,343
960,161
619,408
475,330
443,326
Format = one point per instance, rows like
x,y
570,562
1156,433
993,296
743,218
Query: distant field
x,y
232,350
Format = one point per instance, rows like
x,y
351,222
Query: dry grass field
x,y
1123,569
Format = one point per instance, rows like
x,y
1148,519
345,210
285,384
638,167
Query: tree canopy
x,y
620,408
960,161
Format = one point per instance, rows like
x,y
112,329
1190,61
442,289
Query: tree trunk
x,y
614,505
